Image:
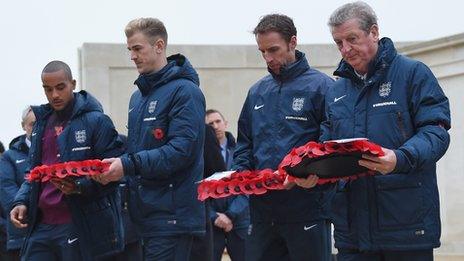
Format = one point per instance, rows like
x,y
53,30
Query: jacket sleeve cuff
x,y
84,186
231,215
213,216
402,162
128,165
17,203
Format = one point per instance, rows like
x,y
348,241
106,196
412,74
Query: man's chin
x,y
275,71
57,107
357,65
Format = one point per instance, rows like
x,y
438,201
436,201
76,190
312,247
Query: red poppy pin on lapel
x,y
158,133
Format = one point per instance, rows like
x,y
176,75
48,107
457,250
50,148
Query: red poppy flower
x,y
44,173
204,190
259,188
158,133
260,181
246,188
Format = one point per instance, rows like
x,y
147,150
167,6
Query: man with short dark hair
x,y
397,103
70,218
283,110
230,216
13,166
165,142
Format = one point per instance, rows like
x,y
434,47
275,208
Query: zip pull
x,y
401,126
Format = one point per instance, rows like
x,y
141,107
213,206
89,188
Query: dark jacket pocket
x,y
153,198
400,202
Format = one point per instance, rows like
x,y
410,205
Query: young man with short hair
x,y
165,142
69,218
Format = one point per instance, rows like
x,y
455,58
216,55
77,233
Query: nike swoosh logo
x,y
339,98
33,134
308,228
70,241
19,161
257,107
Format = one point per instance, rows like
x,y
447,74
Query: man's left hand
x,y
287,184
384,164
115,172
66,185
308,182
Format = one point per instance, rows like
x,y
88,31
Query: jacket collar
x,y
145,82
230,140
293,70
82,102
19,143
177,67
382,61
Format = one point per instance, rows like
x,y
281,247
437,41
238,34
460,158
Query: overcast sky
x,y
36,32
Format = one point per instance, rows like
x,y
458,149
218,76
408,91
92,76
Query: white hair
x,y
356,10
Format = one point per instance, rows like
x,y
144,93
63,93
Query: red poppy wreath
x,y
44,173
330,161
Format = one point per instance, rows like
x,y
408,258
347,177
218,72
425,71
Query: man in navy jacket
x,y
231,215
13,166
283,110
165,143
69,218
397,103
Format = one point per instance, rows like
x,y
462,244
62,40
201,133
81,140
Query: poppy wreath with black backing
x,y
330,161
44,173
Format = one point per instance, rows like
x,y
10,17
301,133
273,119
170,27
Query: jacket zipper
x,y
401,126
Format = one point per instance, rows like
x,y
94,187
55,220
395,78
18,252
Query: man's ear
x,y
292,43
73,82
160,46
374,31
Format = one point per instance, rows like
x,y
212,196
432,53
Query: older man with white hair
x,y
13,165
396,102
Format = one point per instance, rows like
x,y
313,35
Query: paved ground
x,y
225,257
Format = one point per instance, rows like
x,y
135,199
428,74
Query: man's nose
x,y
133,56
267,57
346,47
55,94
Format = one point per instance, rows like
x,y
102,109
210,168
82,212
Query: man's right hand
x,y
115,172
308,182
223,222
18,216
